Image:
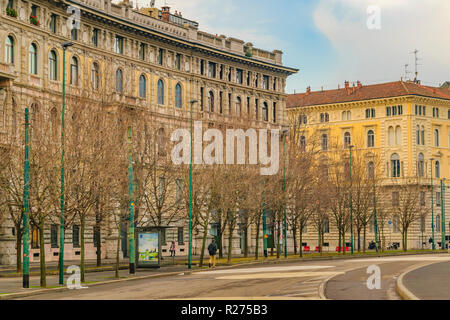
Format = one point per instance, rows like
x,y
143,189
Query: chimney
x,y
308,90
347,87
165,13
359,84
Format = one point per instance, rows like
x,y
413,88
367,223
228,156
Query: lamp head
x,y
193,101
67,44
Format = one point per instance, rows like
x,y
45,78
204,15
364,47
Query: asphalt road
x,y
431,282
338,279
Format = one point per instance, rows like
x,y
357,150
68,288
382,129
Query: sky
x,y
332,41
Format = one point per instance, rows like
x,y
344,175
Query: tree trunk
x,y
118,252
202,252
294,237
278,239
230,244
344,246
339,241
82,267
359,240
405,240
98,230
18,250
42,255
301,241
246,242
364,239
258,224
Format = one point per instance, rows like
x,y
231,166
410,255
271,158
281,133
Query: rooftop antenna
x,y
416,60
406,71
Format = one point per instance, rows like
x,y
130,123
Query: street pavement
x,y
332,279
431,282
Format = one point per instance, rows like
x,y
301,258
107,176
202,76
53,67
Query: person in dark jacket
x,y
212,249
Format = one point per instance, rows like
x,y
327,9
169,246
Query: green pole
x,y
432,204
285,198
26,197
375,222
264,223
61,225
131,205
442,216
351,201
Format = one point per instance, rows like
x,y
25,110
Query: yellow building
x,y
405,124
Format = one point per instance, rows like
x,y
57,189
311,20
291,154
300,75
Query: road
x,y
431,282
336,279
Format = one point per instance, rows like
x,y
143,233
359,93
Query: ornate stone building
x,y
149,59
401,124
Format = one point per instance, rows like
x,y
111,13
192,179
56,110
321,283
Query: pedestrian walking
x,y
212,249
172,249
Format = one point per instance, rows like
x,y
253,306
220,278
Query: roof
x,y
369,92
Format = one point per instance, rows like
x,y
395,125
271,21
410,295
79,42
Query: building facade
x,y
148,59
402,124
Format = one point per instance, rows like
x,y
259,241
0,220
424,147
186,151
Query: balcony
x,y
7,74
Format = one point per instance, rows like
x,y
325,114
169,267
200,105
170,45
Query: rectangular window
x,y
202,67
34,10
118,45
76,236
249,76
163,237
178,61
179,195
438,199
239,76
221,72
95,37
221,102
53,23
229,103
54,235
201,98
274,112
34,237
275,84
388,111
422,198
266,82
161,57
142,50
256,108
161,188
395,199
212,70
10,4
180,236
400,110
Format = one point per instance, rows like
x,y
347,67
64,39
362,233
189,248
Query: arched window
x,y
349,115
436,137
33,59
344,115
142,86
326,225
211,101
52,65
265,112
437,168
398,135
161,142
119,80
422,135
395,165
370,139
302,142
371,170
178,96
347,139
391,136
95,76
74,71
9,50
239,106
327,117
54,122
324,142
160,95
421,165
418,135
396,223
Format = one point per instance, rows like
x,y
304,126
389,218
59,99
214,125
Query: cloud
x,y
380,55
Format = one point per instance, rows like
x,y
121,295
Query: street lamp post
x,y
65,45
442,214
264,223
190,192
432,202
284,190
375,222
351,200
26,215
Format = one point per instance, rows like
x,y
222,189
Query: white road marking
x,y
276,275
270,269
397,259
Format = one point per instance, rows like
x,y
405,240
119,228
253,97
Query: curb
x,y
401,289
